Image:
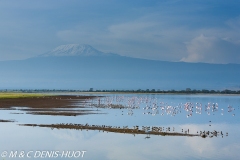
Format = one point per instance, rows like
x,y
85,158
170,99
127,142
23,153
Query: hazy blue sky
x,y
172,30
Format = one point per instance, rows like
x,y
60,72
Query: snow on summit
x,y
74,50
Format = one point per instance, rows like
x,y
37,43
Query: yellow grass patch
x,y
5,95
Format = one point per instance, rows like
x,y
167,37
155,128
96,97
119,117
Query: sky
x,y
168,30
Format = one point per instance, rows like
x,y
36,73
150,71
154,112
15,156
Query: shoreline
x,y
67,93
128,93
50,101
57,105
110,129
154,131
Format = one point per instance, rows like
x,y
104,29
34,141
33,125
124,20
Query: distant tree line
x,y
186,91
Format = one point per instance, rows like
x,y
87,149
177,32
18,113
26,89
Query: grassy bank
x,y
6,95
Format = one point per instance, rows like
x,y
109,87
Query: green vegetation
x,y
187,91
4,95
36,92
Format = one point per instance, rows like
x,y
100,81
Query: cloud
x,y
234,23
124,29
212,50
139,38
151,30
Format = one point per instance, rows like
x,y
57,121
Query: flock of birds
x,y
154,130
151,106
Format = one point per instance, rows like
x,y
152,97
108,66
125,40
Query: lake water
x,y
192,114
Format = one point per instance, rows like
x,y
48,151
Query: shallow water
x,y
220,113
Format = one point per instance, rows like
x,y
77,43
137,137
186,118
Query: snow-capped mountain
x,y
74,50
82,67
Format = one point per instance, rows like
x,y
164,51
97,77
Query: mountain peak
x,y
74,50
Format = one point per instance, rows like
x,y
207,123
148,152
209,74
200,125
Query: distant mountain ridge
x,y
82,67
75,50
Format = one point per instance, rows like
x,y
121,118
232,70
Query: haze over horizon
x,y
75,66
172,30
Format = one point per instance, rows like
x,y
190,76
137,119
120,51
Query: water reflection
x,y
103,145
182,114
147,130
153,105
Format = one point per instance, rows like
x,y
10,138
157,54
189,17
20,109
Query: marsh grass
x,y
6,95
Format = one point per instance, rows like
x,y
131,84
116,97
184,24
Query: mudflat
x,y
58,105
59,101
